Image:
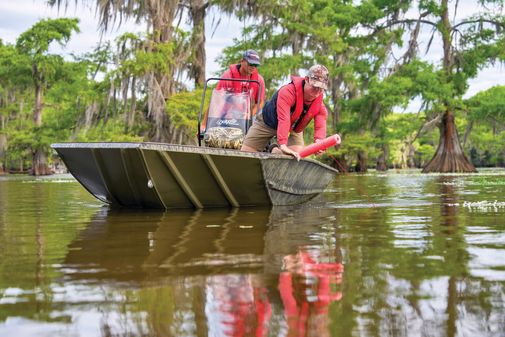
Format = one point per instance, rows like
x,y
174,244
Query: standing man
x,y
246,69
289,112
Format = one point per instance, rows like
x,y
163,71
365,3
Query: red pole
x,y
319,146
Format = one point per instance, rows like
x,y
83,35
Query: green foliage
x,y
183,108
140,56
21,140
35,42
486,148
402,126
111,131
352,144
37,39
488,106
486,113
399,132
424,153
14,68
67,101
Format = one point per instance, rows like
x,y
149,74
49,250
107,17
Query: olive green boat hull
x,y
165,176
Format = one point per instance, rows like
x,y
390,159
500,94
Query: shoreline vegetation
x,y
147,87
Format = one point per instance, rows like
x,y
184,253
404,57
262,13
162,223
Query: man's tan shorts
x,y
259,134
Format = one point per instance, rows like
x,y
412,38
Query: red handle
x,y
319,146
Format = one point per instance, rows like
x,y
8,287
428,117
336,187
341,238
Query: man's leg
x,y
258,136
248,148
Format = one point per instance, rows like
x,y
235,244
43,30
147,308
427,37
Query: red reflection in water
x,y
306,292
240,305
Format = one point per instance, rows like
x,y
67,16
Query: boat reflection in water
x,y
239,272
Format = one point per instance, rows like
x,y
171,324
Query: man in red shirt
x,y
245,69
289,112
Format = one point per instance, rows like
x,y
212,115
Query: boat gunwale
x,y
184,149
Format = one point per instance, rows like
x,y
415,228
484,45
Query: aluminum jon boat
x,y
214,174
166,176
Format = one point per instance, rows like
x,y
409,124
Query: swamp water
x,y
381,254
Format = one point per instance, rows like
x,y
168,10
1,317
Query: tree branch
x,y
496,23
409,22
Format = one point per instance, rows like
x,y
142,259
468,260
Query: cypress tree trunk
x,y
449,156
361,165
197,71
39,158
160,85
382,164
39,166
3,147
37,113
411,163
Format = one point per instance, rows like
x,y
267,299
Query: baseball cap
x,y
318,75
252,57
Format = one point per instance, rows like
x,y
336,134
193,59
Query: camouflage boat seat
x,y
224,137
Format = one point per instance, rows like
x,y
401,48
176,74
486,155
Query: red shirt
x,y
236,86
287,99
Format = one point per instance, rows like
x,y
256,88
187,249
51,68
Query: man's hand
x,y
286,150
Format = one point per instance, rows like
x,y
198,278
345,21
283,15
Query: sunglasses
x,y
252,65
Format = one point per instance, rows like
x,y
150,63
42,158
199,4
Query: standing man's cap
x,y
318,75
252,57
